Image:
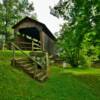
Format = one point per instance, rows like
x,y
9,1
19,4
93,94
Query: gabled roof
x,y
44,27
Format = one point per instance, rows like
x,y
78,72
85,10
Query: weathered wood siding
x,y
28,24
49,44
23,42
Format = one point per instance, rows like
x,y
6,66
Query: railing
x,y
25,45
35,46
14,47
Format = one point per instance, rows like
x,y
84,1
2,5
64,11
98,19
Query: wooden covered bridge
x,y
34,36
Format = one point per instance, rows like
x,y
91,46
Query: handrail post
x,y
47,63
13,52
32,45
47,60
13,48
25,53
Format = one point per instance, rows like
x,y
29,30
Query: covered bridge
x,y
27,29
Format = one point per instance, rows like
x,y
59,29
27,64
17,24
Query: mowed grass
x,y
62,84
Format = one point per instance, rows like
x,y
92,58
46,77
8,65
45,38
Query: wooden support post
x,y
47,63
13,48
47,59
32,45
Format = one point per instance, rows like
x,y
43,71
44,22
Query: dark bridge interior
x,y
32,32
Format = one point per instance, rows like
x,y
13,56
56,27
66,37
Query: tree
x,y
82,18
11,11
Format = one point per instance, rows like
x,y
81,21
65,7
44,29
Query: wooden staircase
x,y
35,64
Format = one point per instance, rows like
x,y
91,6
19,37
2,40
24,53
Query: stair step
x,y
39,74
20,62
26,65
23,62
29,68
44,77
21,59
37,71
31,72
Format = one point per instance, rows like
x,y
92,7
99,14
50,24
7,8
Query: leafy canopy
x,y
11,11
82,17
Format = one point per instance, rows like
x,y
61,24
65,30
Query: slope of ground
x,y
61,85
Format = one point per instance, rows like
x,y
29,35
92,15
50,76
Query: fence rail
x,y
14,47
35,47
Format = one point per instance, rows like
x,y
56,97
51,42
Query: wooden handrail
x,y
36,43
35,46
35,40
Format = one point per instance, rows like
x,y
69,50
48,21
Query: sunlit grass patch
x,y
78,71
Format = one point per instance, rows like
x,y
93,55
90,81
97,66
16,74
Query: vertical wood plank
x,y
47,61
13,48
42,40
47,64
32,45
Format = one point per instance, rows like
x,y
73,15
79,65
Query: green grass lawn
x,y
62,84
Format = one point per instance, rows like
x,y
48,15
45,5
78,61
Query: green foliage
x,y
11,11
81,18
69,46
89,52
